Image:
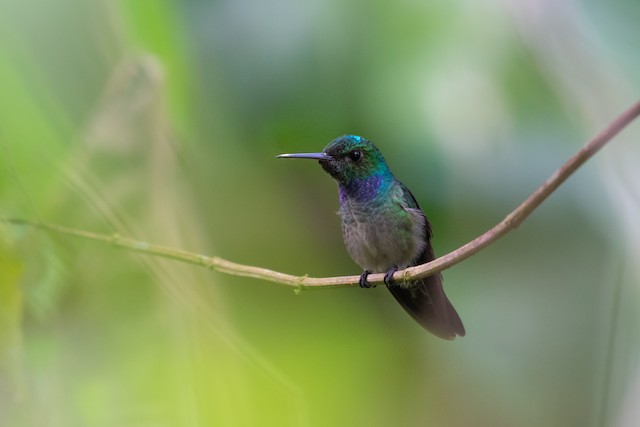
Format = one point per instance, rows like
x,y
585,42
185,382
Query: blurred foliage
x,y
160,120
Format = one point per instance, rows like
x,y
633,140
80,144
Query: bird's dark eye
x,y
355,155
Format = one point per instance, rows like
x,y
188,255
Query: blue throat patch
x,y
365,189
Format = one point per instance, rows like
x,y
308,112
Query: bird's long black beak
x,y
316,156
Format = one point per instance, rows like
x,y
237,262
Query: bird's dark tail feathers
x,y
427,303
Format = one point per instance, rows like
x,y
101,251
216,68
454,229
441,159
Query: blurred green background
x,y
160,120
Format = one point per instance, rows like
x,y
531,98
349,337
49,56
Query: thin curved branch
x,y
511,221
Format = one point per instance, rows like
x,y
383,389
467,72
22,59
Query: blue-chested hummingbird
x,y
385,230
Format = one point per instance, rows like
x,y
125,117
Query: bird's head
x,y
348,159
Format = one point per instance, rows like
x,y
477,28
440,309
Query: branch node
x,y
206,262
403,277
115,239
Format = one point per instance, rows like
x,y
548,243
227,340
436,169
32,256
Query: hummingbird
x,y
385,230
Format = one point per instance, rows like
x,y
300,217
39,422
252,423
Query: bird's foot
x,y
388,277
364,283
